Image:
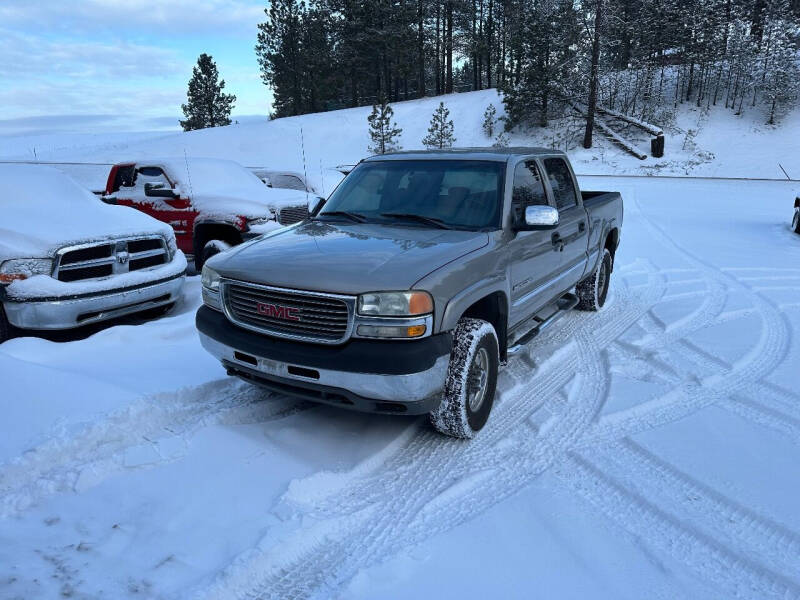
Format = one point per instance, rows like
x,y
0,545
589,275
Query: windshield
x,y
457,194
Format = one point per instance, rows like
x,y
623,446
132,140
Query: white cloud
x,y
142,17
26,56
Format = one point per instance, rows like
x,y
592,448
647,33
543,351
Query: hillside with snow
x,y
648,450
699,143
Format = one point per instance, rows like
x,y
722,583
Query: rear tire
x,y
796,221
593,290
471,380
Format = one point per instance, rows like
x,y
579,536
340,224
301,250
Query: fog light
x,y
391,331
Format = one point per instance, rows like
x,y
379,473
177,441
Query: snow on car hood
x,y
224,188
43,210
352,259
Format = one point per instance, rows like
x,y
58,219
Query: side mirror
x,y
157,190
315,204
539,217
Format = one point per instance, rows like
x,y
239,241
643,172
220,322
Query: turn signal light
x,y
10,277
416,330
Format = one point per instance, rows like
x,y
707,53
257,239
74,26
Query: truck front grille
x,y
292,214
292,314
113,257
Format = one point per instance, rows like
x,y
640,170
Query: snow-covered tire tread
x,y
451,416
590,292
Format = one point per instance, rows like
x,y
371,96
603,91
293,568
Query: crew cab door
x,y
533,258
572,235
175,211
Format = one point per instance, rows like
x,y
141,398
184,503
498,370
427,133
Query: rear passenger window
x,y
561,182
528,189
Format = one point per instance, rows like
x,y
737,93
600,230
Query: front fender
x,y
459,303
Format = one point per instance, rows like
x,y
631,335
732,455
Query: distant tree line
x,y
648,54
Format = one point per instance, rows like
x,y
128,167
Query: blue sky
x,y
100,65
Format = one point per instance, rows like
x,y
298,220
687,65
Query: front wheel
x,y
471,380
593,290
796,221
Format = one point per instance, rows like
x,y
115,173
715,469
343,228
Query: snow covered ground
x,y
649,450
646,451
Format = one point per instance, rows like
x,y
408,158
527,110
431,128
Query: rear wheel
x,y
593,290
796,221
471,380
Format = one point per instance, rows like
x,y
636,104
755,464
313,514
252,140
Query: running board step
x,y
563,305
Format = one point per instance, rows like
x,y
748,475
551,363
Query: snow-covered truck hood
x,y
44,210
225,189
343,258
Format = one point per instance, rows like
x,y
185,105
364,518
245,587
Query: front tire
x,y
471,380
796,221
593,290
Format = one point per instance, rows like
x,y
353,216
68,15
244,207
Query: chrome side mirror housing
x,y
540,217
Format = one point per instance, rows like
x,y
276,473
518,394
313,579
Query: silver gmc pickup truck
x,y
414,282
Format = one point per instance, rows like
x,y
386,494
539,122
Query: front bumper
x,y
402,377
66,313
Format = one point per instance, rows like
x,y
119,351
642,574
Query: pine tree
x,y
489,120
440,132
382,131
501,141
207,105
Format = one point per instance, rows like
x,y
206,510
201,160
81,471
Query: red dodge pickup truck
x,y
211,204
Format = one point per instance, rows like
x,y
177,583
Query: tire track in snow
x,y
80,460
694,393
735,574
771,544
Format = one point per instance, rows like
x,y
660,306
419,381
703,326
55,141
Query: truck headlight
x,y
210,288
22,268
395,304
210,279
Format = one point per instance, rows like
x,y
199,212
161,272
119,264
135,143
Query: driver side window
x,y
528,189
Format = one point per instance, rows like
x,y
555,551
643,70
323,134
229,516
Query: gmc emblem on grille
x,y
287,313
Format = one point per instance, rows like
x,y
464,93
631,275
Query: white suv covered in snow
x,y
67,259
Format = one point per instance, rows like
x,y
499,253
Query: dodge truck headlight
x,y
22,268
395,304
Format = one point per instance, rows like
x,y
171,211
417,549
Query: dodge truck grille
x,y
292,314
113,257
292,214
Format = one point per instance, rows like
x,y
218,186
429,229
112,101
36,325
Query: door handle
x,y
581,227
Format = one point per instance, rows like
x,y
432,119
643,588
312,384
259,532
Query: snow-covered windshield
x,y
458,194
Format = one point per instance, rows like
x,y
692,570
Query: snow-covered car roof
x,y
43,210
223,187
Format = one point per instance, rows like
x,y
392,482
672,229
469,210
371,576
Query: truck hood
x,y
346,259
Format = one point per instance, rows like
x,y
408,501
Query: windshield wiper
x,y
422,219
355,217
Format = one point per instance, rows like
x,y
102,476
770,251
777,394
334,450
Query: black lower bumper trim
x,y
356,356
330,395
